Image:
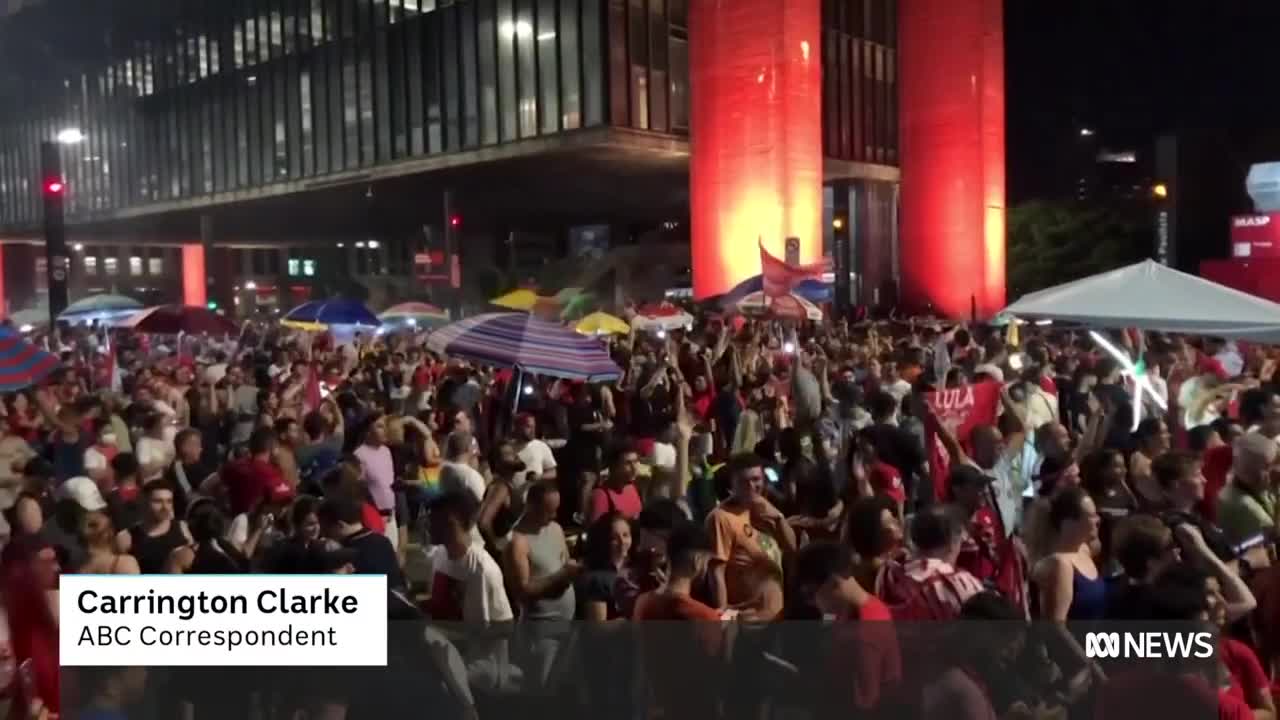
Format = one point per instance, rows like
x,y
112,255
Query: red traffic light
x,y
455,221
54,187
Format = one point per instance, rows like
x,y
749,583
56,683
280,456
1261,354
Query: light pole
x,y
54,188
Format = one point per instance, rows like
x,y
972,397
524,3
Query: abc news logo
x,y
1148,645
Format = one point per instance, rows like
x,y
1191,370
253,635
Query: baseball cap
x,y
886,480
84,492
963,475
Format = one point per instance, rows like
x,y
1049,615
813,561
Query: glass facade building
x,y
207,103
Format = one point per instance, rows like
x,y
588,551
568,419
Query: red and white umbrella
x,y
790,306
661,316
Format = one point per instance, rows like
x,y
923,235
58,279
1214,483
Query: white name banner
x,y
227,620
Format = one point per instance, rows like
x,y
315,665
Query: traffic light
x,y
212,304
455,221
54,187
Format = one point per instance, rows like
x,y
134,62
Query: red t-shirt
x,y
866,660
249,481
372,519
1048,385
886,480
627,502
1139,692
1247,676
978,552
688,688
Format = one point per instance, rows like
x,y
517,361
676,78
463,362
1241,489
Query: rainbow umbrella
x,y
528,343
21,363
414,314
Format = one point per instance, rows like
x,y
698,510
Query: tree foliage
x,y
1056,242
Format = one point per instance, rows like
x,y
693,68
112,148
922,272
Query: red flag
x,y
313,397
780,277
960,410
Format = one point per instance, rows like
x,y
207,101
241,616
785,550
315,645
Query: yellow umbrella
x,y
600,323
517,300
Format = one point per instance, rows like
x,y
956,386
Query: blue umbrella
x,y
100,307
21,363
320,314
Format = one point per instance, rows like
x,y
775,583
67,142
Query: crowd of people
x,y
738,474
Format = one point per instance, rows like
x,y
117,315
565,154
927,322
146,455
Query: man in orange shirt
x,y
749,538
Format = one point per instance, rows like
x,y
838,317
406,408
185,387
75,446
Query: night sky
x,y
1131,69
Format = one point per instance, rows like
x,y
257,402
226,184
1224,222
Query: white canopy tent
x,y
1150,296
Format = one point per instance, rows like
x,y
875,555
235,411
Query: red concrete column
x,y
951,80
756,131
194,280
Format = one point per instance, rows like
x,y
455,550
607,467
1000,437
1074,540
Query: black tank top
x,y
153,552
220,560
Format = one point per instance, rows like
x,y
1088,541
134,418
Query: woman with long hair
x,y
1151,440
103,556
1102,475
211,552
607,589
1070,585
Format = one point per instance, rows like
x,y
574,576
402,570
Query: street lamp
x,y
1086,132
54,187
69,136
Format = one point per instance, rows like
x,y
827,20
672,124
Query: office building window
x,y
155,266
594,55
295,267
659,45
90,265
638,43
135,266
528,70
507,68
309,267
111,266
486,29
470,76
546,40
679,84
570,67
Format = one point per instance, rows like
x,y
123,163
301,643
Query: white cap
x,y
84,492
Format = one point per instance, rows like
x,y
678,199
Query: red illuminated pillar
x,y
951,79
194,281
756,134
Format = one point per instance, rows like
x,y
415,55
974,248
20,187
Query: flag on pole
x,y
115,380
779,277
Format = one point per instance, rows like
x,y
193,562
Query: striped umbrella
x,y
416,314
21,363
523,341
100,307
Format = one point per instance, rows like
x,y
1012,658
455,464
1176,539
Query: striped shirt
x,y
925,589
